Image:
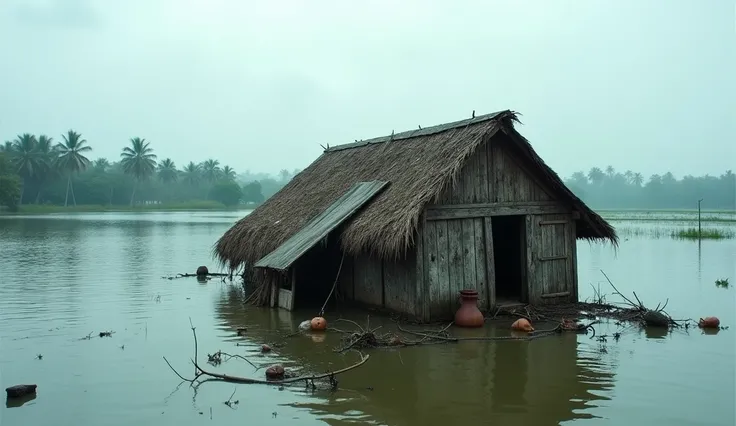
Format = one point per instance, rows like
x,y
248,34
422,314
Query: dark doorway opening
x,y
315,274
509,258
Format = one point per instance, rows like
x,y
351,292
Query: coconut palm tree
x,y
7,147
47,170
210,173
228,174
139,161
596,175
638,179
192,174
166,171
101,164
26,160
71,159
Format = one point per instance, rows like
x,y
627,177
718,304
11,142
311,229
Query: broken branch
x,y
199,371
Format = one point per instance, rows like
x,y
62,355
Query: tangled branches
x,y
656,317
216,359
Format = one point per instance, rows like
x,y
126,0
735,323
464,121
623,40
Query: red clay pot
x,y
709,322
469,315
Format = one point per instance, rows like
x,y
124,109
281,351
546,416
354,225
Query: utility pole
x,y
699,228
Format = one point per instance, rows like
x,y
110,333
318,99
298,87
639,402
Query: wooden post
x,y
293,288
421,298
490,262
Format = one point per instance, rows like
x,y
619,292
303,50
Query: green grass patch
x,y
681,233
181,206
705,234
722,283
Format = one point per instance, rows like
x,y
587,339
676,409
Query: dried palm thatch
x,y
419,165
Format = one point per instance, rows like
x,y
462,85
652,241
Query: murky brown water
x,y
66,276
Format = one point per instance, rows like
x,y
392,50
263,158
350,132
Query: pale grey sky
x,y
642,85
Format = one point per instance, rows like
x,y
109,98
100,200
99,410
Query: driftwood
x,y
207,275
656,317
99,334
18,391
308,379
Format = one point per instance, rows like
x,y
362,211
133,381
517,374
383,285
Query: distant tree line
x,y
37,170
610,189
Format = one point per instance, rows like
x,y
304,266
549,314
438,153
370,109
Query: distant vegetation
x,y
705,234
722,282
37,172
610,189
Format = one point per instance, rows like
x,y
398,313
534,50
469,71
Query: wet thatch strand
x,y
419,165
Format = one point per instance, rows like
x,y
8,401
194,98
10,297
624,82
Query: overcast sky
x,y
642,85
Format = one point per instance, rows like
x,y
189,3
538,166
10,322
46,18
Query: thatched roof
x,y
419,164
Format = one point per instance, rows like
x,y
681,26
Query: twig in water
x,y
230,403
619,293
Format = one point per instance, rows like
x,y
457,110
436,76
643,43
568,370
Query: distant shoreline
x,y
608,214
643,210
31,209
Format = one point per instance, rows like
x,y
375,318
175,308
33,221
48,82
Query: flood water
x,y
66,276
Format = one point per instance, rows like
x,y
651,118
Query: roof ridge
x,y
408,134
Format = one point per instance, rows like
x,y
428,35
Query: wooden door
x,y
455,258
550,257
282,291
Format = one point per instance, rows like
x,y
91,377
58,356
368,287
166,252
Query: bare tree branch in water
x,y
308,379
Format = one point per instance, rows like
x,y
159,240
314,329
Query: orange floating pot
x,y
469,315
318,324
522,324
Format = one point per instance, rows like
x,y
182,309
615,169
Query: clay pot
x,y
202,270
522,324
275,372
709,322
318,324
469,315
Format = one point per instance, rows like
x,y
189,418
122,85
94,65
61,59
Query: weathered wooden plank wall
x,y
494,175
383,283
399,284
552,261
455,259
368,277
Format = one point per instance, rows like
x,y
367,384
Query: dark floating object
x,y
20,390
202,271
275,372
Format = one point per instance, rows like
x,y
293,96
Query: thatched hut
x,y
406,221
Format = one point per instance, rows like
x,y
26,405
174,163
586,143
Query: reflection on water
x,y
66,276
545,381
